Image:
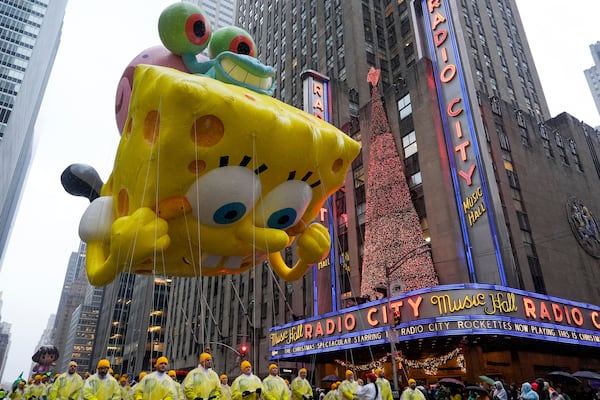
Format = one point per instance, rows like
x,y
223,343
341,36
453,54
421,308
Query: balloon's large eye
x,y
224,195
283,206
232,39
184,28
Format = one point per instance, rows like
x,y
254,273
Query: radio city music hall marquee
x,y
442,311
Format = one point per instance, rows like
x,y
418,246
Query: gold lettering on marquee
x,y
449,305
502,302
323,263
287,336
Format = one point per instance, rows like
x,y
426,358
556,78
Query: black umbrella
x,y
562,376
331,378
451,382
589,375
475,388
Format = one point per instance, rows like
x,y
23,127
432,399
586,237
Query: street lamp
x,y
393,337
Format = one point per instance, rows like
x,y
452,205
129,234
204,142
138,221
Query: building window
x,y
536,275
415,180
409,143
504,143
513,179
404,107
520,119
496,106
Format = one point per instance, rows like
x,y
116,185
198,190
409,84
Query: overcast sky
x,y
77,124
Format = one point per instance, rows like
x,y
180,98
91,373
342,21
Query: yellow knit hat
x,y
334,386
37,377
348,373
245,364
377,371
72,364
142,375
104,363
302,370
172,373
411,380
223,376
204,357
161,360
272,366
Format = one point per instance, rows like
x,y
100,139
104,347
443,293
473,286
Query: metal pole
x,y
392,334
391,324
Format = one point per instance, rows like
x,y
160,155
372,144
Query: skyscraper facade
x,y
72,296
4,340
4,344
79,343
113,323
220,12
30,37
592,74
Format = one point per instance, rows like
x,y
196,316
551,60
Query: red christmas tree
x,y
393,236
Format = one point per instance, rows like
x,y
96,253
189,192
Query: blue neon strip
x,y
332,256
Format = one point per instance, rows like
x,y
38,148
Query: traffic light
x,y
397,318
243,350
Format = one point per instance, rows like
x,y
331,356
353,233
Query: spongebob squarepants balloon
x,y
212,176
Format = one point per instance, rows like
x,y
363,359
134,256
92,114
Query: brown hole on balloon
x,y
207,131
196,166
250,97
122,203
128,128
337,165
151,126
109,185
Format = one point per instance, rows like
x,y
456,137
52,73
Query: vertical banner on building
x,y
317,101
468,177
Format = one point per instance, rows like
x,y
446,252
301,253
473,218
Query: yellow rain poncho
x,y
226,392
18,394
201,382
301,387
125,389
178,389
66,387
385,388
35,391
246,383
155,386
95,388
275,388
347,389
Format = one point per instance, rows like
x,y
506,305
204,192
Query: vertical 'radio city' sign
x,y
476,216
317,101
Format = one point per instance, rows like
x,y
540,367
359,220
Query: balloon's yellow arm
x,y
313,245
133,239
